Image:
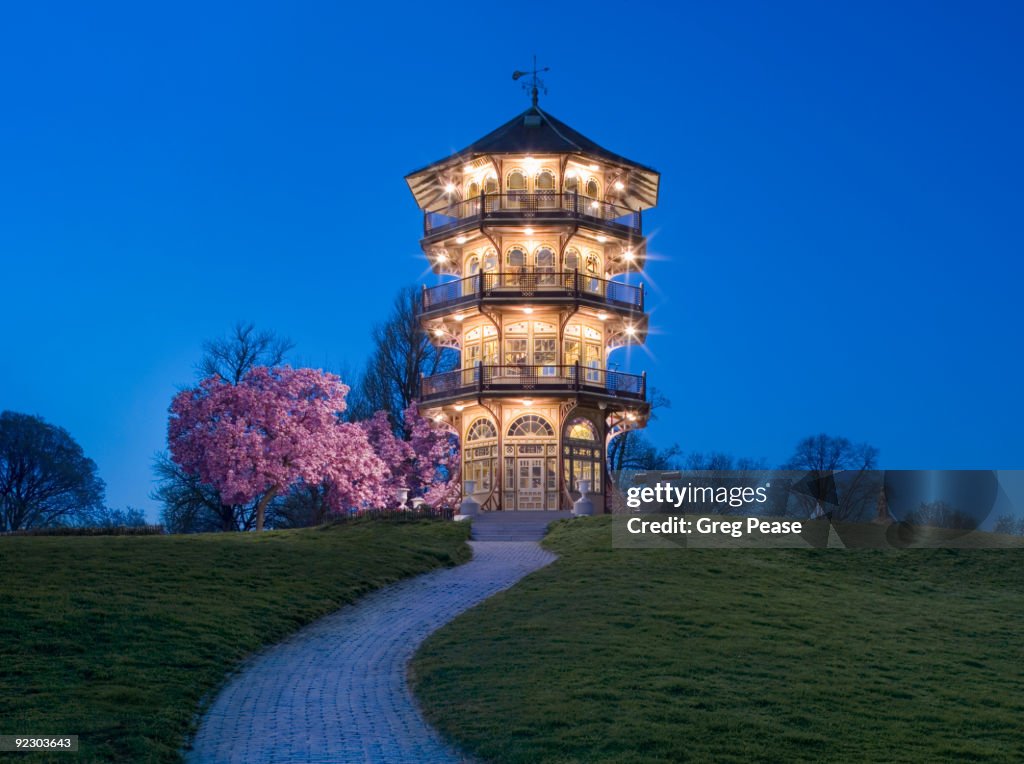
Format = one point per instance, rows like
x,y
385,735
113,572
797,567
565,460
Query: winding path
x,y
336,690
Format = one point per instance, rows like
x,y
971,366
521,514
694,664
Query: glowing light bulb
x,y
602,239
595,204
631,330
439,332
449,188
593,167
528,231
602,316
527,402
459,407
619,185
628,255
442,257
527,311
461,240
459,317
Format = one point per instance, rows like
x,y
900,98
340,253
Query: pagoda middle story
x,y
536,232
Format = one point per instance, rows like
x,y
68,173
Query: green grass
x,y
118,639
732,655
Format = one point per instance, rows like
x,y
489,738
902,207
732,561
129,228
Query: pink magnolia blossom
x,y
275,429
435,474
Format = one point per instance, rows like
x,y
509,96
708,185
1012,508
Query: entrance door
x,y
530,483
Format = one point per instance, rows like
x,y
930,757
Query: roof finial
x,y
535,83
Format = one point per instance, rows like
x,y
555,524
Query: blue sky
x,y
840,232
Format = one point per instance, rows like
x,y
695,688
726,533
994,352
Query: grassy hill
x,y
733,655
117,639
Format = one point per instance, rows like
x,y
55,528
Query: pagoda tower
x,y
536,235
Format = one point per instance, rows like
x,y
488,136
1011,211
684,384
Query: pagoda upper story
x,y
535,172
534,165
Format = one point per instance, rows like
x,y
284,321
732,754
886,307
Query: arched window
x,y
593,189
572,182
516,181
545,188
546,181
473,190
516,258
592,282
581,456
545,261
473,265
491,184
581,429
490,261
480,456
531,426
571,261
481,429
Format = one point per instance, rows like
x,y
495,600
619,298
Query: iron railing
x,y
541,205
533,378
524,284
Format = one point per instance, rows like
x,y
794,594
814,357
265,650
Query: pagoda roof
x,y
534,131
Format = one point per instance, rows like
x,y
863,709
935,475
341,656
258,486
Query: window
x,y
473,265
516,181
545,259
480,455
480,430
516,258
581,456
593,271
572,183
491,184
531,426
581,429
490,261
571,260
546,181
593,190
473,190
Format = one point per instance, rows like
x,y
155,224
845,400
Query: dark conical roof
x,y
536,131
533,131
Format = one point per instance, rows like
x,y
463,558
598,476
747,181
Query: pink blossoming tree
x,y
426,464
275,429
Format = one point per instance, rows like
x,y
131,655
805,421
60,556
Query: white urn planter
x,y
583,507
401,494
469,506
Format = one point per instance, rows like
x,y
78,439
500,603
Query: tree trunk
x,y
261,508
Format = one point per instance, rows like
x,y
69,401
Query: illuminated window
x,y
581,429
516,258
491,184
572,184
531,426
516,181
546,181
571,259
473,190
481,429
593,190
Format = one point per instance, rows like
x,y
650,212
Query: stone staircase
x,y
513,526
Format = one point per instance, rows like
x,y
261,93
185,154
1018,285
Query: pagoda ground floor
x,y
533,454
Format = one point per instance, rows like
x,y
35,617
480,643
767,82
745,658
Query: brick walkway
x,y
336,690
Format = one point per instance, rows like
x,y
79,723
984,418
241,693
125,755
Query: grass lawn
x,y
118,639
732,655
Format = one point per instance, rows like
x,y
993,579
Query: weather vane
x,y
535,83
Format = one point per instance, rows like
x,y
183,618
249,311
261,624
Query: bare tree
x,y
631,448
939,514
45,478
821,456
402,353
1010,525
234,356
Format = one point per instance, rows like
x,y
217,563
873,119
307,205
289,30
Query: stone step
x,y
513,526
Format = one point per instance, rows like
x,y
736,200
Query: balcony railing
x,y
532,284
538,379
537,206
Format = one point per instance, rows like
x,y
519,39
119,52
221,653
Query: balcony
x,y
525,380
534,286
537,208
